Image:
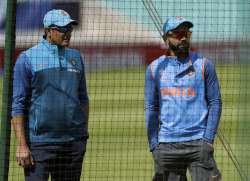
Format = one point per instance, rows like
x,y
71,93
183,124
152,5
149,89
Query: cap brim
x,y
70,22
74,22
185,24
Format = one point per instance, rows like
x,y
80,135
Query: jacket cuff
x,y
208,140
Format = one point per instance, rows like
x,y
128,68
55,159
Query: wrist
x,y
22,144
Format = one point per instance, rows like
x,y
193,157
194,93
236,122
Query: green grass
x,y
235,120
117,149
1,90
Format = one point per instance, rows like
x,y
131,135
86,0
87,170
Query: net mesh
x,y
117,40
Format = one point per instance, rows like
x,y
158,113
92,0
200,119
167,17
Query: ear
x,y
164,37
47,32
166,41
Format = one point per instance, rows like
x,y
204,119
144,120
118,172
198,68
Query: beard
x,y
181,49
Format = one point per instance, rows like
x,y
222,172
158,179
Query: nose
x,y
66,35
68,32
183,38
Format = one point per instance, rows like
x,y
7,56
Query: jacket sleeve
x,y
21,86
213,97
151,101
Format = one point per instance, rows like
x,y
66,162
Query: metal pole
x,y
10,29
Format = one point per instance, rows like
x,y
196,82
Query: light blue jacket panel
x,y
182,100
50,87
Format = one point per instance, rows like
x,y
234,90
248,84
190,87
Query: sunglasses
x,y
180,34
63,29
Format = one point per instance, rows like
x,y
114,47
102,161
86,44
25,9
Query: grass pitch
x,y
117,149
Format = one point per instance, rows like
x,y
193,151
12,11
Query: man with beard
x,y
182,109
50,104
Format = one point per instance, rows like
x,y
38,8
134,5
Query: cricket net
x,y
117,40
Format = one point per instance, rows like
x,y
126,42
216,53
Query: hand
x,y
210,144
23,156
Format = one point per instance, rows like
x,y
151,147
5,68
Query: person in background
x,y
50,104
182,108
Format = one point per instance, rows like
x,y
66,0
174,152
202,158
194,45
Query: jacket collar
x,y
51,47
190,59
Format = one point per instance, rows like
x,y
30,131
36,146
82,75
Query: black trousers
x,y
173,159
63,162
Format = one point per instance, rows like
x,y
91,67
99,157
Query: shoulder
x,y
159,59
157,62
201,59
23,57
23,62
208,66
154,66
33,51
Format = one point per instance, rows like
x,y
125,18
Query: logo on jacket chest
x,y
73,70
73,65
178,91
72,61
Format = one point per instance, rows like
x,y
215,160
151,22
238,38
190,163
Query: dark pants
x,y
63,162
173,159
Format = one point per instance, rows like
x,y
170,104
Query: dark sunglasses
x,y
62,29
180,34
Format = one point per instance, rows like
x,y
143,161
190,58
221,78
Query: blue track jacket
x,y
182,100
49,88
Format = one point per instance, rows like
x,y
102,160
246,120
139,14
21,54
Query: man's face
x,y
179,41
60,35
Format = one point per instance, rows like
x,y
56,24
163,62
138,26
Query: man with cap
x,y
182,108
50,104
